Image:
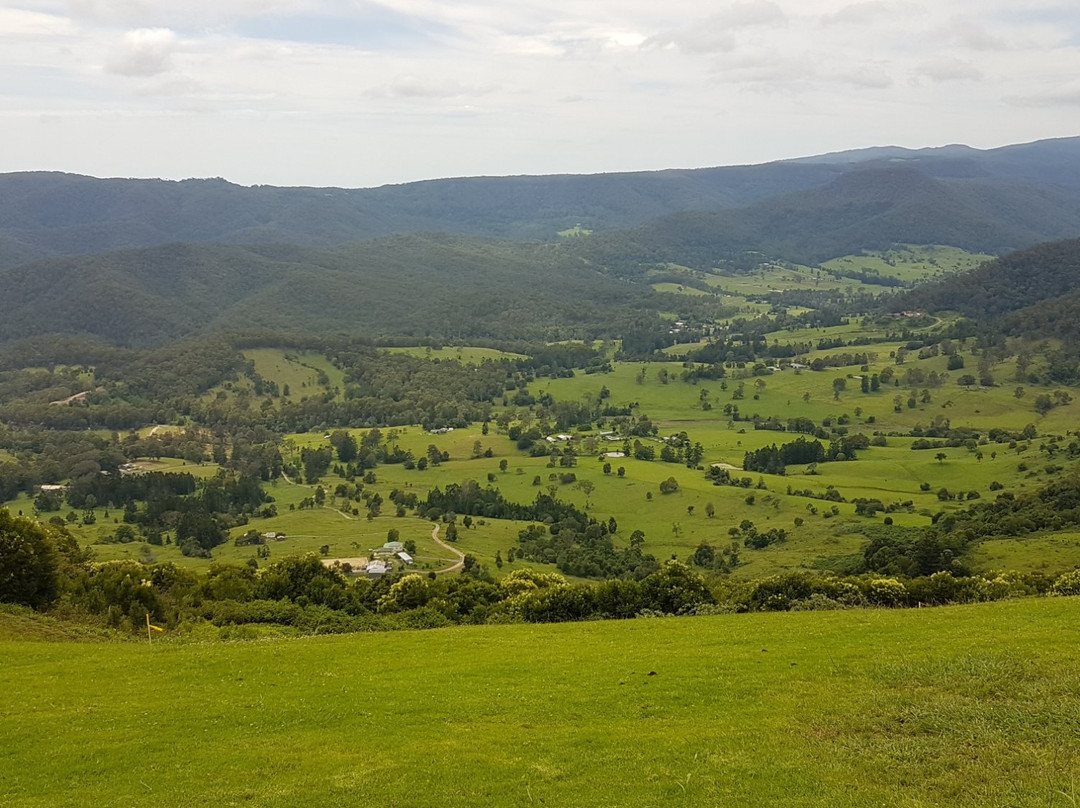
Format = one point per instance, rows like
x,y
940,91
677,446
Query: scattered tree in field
x,y
586,487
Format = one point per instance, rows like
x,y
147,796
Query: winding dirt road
x,y
461,556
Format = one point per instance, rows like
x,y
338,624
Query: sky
x,y
356,94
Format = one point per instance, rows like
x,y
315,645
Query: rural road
x,y
461,556
434,534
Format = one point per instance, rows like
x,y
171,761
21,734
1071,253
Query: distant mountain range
x,y
44,214
139,262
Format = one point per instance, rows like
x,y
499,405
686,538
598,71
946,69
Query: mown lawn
x,y
966,706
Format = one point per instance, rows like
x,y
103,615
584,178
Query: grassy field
x,y
957,706
911,263
299,370
675,524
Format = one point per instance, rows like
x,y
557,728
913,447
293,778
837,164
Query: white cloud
x,y
948,69
409,86
144,52
18,22
870,12
718,32
446,87
870,78
180,13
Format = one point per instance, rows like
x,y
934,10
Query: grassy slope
x,y
965,706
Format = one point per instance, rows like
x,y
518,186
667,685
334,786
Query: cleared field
x,y
303,372
957,706
910,263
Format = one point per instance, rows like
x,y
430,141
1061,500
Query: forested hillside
x,y
970,203
442,286
49,213
871,207
1033,292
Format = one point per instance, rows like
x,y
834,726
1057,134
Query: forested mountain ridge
x,y
51,213
1033,292
873,206
48,213
443,286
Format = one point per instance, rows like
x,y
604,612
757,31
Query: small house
x,y
376,569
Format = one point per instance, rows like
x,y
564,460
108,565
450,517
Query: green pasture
x,y
911,263
297,369
894,473
1049,553
576,230
775,278
675,524
957,706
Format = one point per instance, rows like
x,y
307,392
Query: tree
x,y
710,510
344,444
704,555
940,457
29,562
587,487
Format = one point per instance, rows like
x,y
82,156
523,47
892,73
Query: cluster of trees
x,y
773,459
586,549
470,499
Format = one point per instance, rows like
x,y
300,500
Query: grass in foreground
x,y
960,706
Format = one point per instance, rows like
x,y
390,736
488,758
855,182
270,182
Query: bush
x,y
1067,584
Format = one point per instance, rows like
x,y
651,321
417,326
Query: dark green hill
x,y
69,214
873,206
1033,292
44,213
441,286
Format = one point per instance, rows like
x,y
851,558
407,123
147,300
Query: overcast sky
x,y
353,93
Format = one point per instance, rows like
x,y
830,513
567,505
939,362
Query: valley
x,y
690,484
